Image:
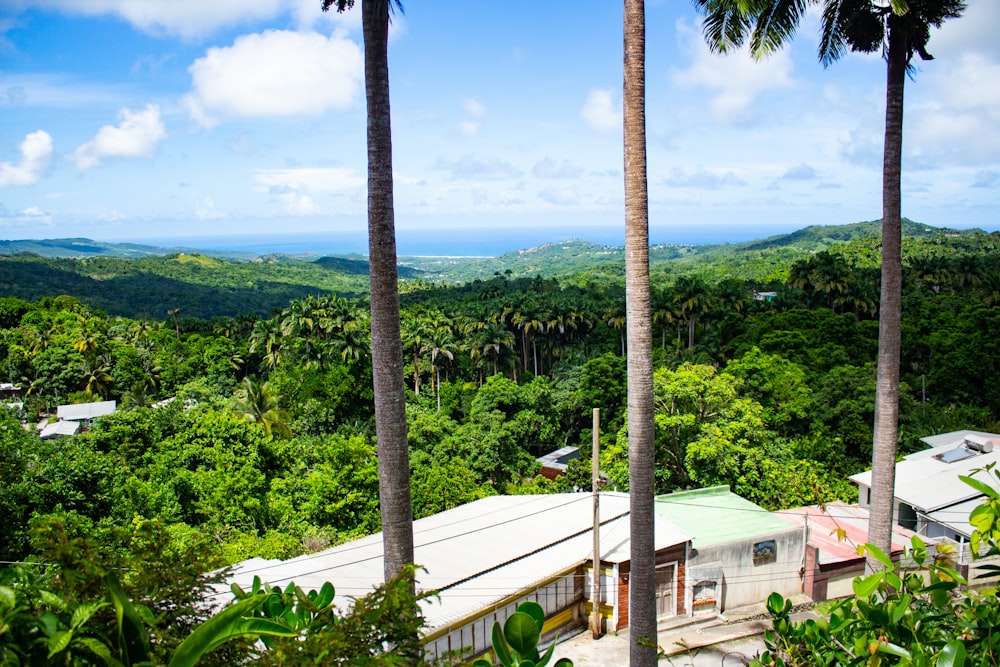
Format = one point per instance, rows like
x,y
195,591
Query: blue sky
x,y
144,119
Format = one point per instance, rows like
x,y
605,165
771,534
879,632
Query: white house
x,y
929,496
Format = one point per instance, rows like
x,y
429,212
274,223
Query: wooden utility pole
x,y
595,584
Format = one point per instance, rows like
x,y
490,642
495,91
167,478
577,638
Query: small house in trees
x,y
85,413
486,557
740,551
554,463
930,499
76,417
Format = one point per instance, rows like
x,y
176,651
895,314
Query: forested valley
x,y
252,435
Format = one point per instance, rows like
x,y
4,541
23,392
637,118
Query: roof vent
x,y
978,444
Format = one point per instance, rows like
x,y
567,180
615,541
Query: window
x,y
765,552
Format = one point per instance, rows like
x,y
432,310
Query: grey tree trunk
x,y
890,311
642,576
387,347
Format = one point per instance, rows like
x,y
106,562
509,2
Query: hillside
x,y
146,281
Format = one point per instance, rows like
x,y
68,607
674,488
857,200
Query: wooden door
x,y
666,604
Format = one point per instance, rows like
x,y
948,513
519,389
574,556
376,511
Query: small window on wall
x,y
765,552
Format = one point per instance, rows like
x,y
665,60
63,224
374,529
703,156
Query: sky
x,y
227,119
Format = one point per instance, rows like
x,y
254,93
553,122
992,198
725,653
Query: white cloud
x,y
187,18
737,79
702,179
297,204
275,73
953,114
468,167
549,168
974,31
30,217
36,159
599,111
313,179
205,210
468,128
136,135
802,172
474,107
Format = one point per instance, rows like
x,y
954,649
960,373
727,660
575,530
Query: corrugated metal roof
x,y
55,429
715,515
956,516
476,554
927,483
837,529
81,411
955,438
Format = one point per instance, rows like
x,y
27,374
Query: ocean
x,y
482,242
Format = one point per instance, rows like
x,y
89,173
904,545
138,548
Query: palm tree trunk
x,y
890,313
642,576
387,349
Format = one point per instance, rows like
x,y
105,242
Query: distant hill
x,y
145,281
761,260
87,248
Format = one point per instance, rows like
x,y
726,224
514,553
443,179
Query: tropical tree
x,y
258,402
641,429
387,347
899,29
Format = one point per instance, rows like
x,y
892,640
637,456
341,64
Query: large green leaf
x,y
952,655
522,633
981,487
228,624
865,586
132,636
535,611
500,647
878,555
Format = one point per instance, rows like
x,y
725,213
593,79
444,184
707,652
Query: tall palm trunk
x,y
642,576
890,313
387,348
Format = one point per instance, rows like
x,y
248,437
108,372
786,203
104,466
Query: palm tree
x,y
258,402
641,462
387,348
899,29
694,298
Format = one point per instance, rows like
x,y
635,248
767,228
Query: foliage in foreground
x,y
899,617
516,643
41,627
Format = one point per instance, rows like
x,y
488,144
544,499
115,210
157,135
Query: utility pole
x,y
595,584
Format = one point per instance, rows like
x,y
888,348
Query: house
x,y
85,413
929,497
488,556
9,390
59,429
740,552
833,533
554,464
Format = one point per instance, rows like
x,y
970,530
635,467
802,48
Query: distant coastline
x,y
460,243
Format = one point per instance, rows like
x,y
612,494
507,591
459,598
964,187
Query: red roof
x,y
837,529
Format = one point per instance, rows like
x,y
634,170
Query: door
x,y
665,589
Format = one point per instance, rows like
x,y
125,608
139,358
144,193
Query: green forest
x,y
251,434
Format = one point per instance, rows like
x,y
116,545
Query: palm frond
x,y
775,25
727,23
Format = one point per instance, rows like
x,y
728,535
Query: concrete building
x,y
488,556
740,552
